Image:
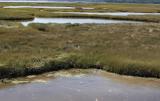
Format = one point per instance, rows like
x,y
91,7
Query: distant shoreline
x,y
56,1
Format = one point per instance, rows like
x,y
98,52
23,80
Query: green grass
x,y
10,14
129,49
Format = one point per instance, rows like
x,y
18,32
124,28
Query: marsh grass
x,y
144,18
129,49
9,14
29,14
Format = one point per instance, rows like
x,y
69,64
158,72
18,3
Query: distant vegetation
x,y
120,1
29,13
116,1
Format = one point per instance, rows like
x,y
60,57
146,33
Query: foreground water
x,y
80,85
75,20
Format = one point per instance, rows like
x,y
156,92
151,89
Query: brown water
x,y
80,85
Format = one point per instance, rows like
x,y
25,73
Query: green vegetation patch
x,y
129,49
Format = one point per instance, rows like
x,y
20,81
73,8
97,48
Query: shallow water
x,y
79,85
75,20
47,7
110,13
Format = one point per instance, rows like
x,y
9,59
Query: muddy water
x,y
76,20
80,85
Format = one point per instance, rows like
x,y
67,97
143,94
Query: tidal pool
x,y
80,85
110,13
76,20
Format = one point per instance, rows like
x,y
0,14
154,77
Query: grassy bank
x,y
10,14
29,14
144,18
129,49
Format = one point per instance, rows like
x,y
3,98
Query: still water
x,y
47,7
80,85
75,20
110,13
